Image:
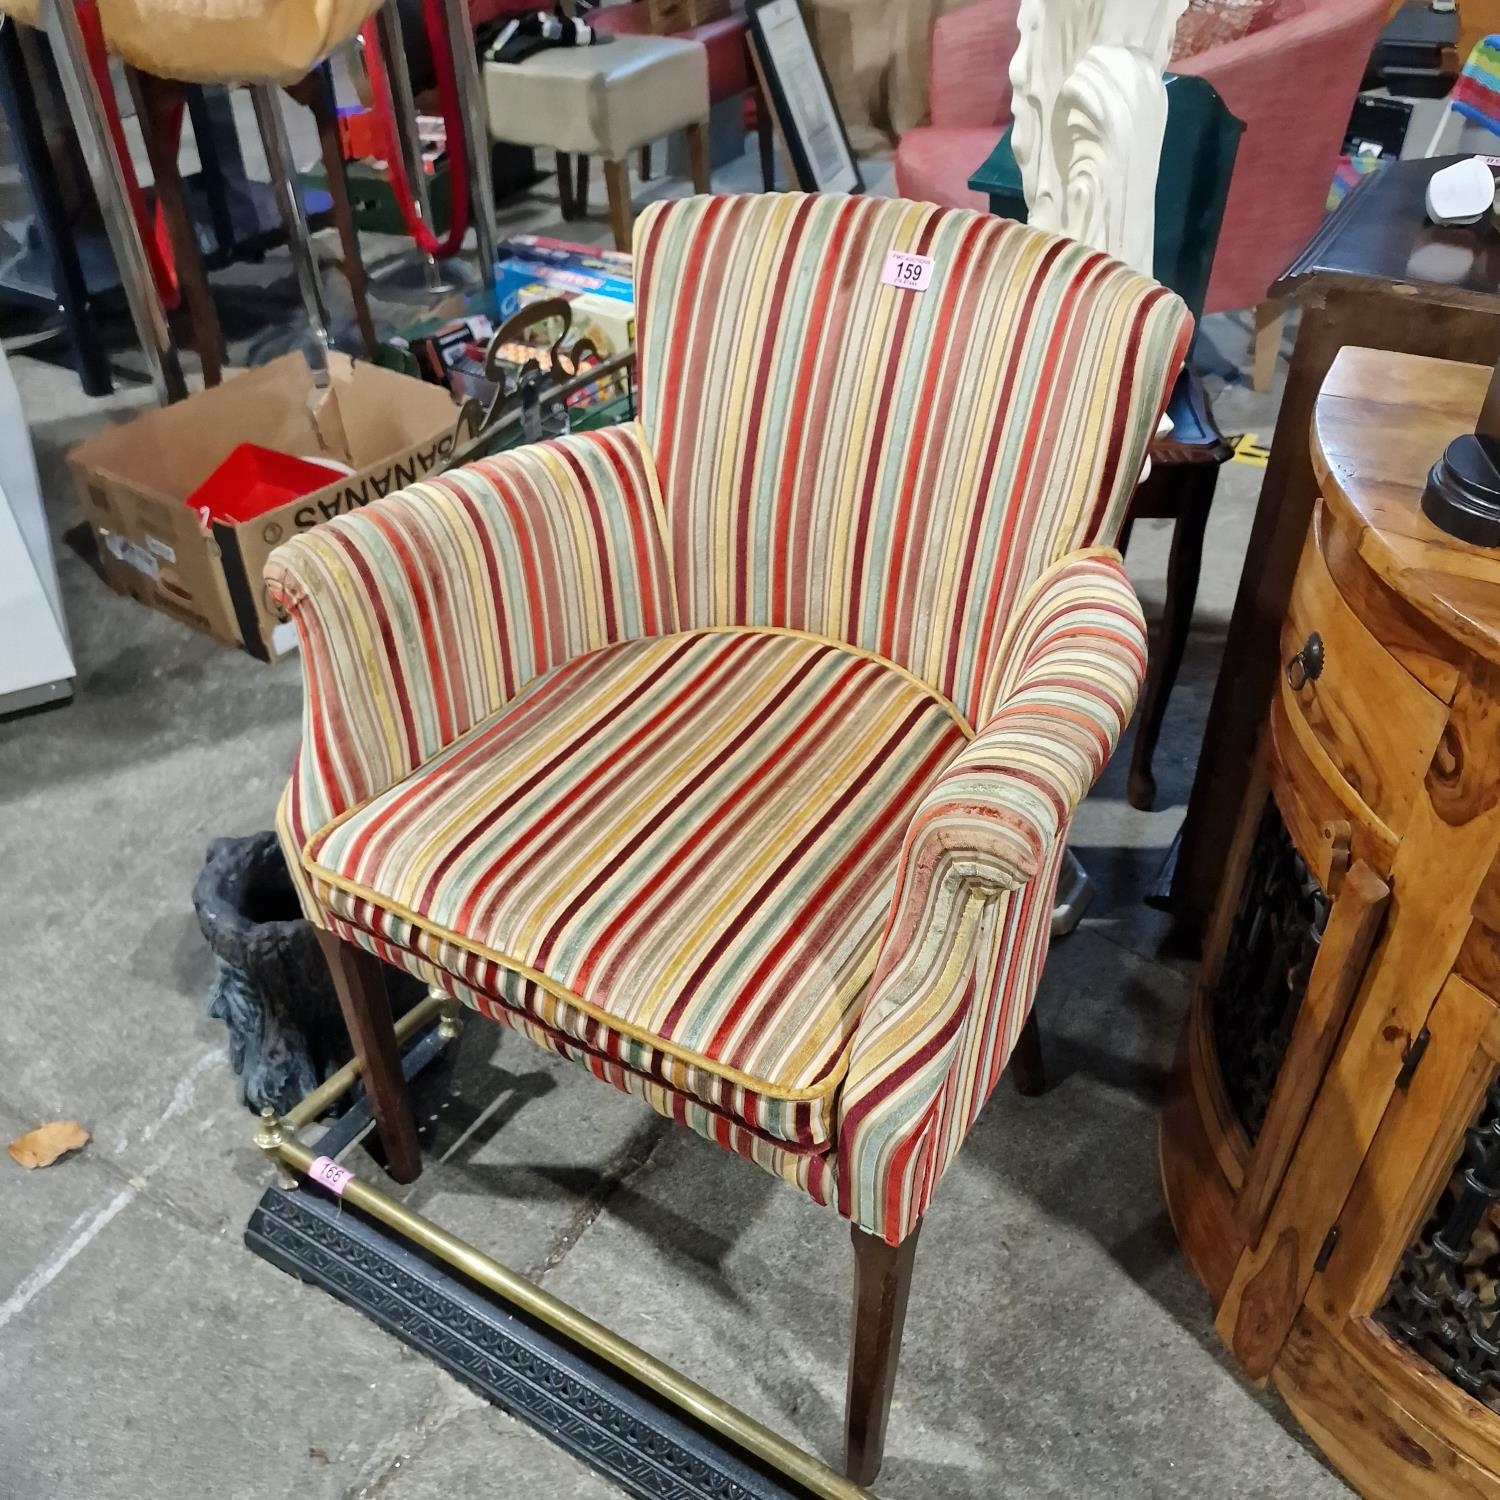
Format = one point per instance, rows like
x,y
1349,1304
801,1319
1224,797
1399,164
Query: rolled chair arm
x,y
969,924
428,611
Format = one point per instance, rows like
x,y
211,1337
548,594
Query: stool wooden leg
x,y
697,144
882,1284
157,102
617,183
1195,485
581,189
360,983
1265,343
565,199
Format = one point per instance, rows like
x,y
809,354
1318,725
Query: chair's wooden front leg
x,y
360,984
882,1283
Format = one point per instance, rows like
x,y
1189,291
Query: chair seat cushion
x,y
934,164
677,851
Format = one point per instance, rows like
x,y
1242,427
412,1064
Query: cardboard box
x,y
388,428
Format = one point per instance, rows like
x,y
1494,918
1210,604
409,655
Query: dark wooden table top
x,y
1380,234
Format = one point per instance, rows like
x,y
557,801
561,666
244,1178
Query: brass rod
x,y
317,1102
717,1414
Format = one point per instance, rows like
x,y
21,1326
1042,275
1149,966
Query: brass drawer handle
x,y
1307,665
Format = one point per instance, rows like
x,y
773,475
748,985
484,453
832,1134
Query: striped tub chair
x,y
731,753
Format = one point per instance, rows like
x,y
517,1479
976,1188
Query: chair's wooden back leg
x,y
1026,1067
360,983
882,1282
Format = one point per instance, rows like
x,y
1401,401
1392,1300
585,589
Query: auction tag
x,y
910,271
330,1174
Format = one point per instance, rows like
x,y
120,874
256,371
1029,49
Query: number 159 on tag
x,y
912,272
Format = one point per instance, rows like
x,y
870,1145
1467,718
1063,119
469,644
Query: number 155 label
x,y
912,272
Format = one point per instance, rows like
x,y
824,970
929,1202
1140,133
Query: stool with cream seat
x,y
607,101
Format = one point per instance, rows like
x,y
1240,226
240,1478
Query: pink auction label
x,y
912,272
327,1171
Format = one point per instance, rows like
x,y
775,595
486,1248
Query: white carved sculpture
x,y
1090,112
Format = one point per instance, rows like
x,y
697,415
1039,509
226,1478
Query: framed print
x,y
796,87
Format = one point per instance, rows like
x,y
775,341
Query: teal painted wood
x,y
1197,161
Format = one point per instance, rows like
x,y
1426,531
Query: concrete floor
x,y
1056,1345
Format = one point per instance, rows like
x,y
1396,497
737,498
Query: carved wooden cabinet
x,y
1331,1156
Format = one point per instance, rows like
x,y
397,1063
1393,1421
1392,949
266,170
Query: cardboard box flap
x,y
169,452
391,411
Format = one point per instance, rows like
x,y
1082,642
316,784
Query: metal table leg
x,y
404,119
476,136
24,121
267,101
106,171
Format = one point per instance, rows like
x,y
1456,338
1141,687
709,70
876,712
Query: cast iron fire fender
x,y
641,1443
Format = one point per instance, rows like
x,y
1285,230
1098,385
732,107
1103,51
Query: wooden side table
x,y
1376,274
1331,1158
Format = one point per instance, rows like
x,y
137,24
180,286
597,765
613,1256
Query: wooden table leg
x,y
1265,342
1195,485
159,104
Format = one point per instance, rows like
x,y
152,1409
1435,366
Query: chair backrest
x,y
888,467
1293,81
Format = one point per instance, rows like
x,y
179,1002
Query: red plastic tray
x,y
253,480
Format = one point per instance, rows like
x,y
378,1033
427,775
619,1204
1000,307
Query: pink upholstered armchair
x,y
1292,82
969,101
731,753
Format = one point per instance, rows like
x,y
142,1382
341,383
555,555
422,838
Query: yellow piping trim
x,y
569,997
560,992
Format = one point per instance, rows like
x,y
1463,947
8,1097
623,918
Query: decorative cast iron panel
x,y
647,1448
1444,1300
1273,943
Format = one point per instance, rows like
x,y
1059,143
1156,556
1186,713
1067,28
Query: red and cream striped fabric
x,y
656,744
686,865
886,467
422,615
968,932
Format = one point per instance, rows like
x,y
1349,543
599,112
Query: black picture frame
x,y
795,85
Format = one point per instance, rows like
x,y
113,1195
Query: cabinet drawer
x,y
1377,724
1316,800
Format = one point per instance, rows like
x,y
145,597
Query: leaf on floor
x,y
42,1146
